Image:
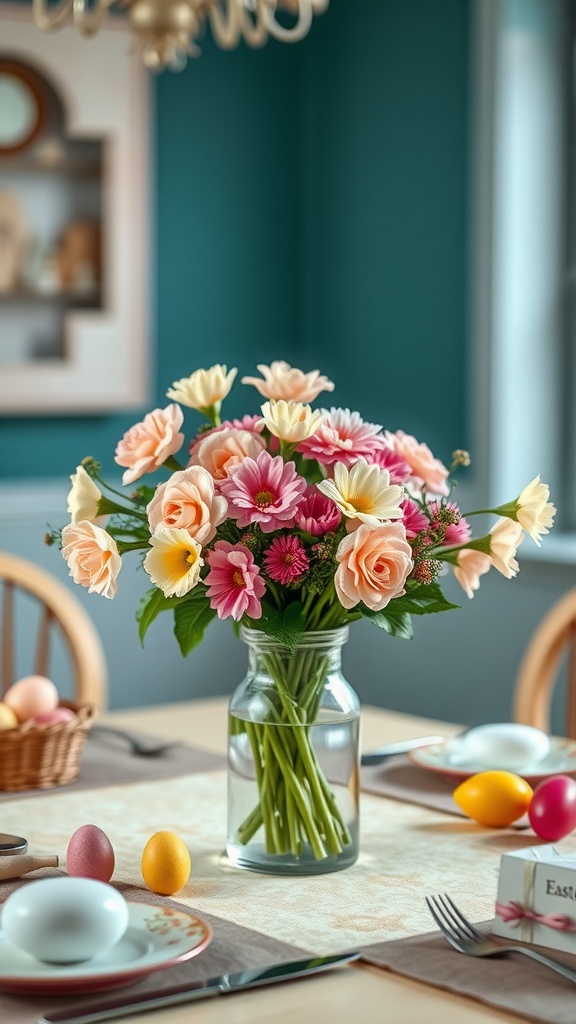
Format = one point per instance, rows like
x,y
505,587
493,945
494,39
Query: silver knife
x,y
382,754
123,1006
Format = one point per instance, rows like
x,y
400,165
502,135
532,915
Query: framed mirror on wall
x,y
74,214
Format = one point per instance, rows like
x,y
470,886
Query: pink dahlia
x,y
317,514
448,515
286,559
343,437
387,458
413,518
265,490
234,582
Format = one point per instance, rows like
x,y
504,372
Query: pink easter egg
x,y
90,854
552,810
59,714
31,696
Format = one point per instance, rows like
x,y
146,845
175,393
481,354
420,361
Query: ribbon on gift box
x,y
514,913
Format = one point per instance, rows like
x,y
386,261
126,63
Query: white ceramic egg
x,y
65,920
507,746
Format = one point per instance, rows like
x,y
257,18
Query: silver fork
x,y
467,939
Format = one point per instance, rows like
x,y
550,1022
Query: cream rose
x,y
92,557
505,539
148,444
290,421
83,498
188,501
374,564
204,388
535,513
223,450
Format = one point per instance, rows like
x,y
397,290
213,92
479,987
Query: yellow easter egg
x,y
8,718
166,863
494,798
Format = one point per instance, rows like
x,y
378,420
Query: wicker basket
x,y
34,756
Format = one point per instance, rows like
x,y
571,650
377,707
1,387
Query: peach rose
x,y
471,566
187,501
282,381
92,557
223,450
430,473
374,566
148,444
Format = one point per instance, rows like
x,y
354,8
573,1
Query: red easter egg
x,y
90,854
552,810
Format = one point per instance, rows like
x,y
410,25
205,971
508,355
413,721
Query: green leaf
x,y
393,620
423,599
191,617
286,626
150,606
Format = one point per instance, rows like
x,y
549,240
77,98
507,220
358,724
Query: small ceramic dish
x,y
156,937
446,759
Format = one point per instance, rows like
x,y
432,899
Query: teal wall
x,y
310,205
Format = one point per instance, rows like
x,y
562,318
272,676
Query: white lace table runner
x,y
407,852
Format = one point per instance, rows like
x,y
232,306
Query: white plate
x,y
447,759
156,937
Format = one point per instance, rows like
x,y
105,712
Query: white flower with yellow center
x,y
204,389
290,421
174,563
83,498
364,492
535,513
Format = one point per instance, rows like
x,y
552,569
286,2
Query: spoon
x,y
142,748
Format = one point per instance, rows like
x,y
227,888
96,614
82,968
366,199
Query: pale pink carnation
x,y
282,381
148,444
286,560
92,557
343,437
428,472
374,564
266,491
456,533
223,451
234,582
188,501
317,514
471,566
385,457
413,518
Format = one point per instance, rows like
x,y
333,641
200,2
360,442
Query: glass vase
x,y
293,758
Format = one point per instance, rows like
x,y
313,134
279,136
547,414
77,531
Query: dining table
x,y
408,849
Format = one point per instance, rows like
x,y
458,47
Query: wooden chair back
x,y
553,639
59,610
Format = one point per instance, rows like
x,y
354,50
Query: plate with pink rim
x,y
156,937
447,758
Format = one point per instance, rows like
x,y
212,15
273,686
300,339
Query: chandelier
x,y
166,30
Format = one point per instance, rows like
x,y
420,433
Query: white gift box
x,y
536,899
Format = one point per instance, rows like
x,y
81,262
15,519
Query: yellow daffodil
x,y
174,563
364,492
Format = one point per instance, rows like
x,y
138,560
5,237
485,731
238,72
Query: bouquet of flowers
x,y
290,520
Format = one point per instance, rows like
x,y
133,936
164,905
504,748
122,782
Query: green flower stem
x,y
296,803
107,508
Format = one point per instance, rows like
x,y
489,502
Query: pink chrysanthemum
x,y
343,437
413,518
286,559
234,582
456,532
317,514
387,458
266,491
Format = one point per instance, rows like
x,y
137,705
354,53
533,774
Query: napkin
x,y
233,948
400,779
512,983
107,760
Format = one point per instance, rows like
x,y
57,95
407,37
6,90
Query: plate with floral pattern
x,y
446,759
156,937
